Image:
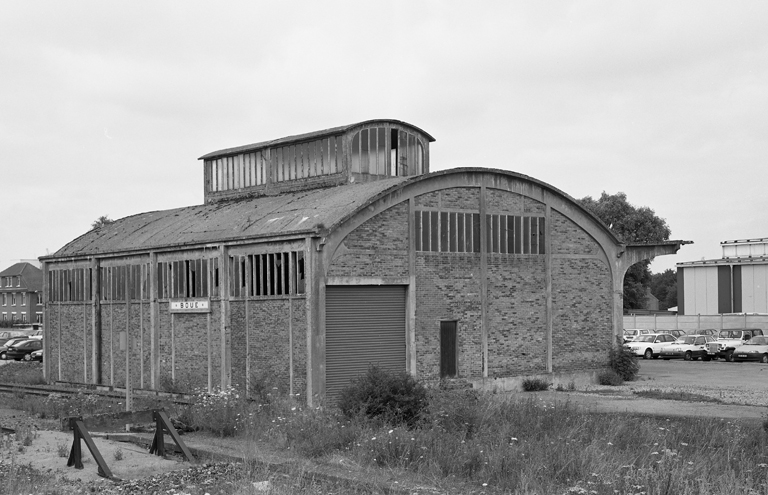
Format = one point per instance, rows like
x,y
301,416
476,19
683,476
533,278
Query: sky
x,y
105,107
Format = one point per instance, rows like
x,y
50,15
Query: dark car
x,y
15,340
22,350
6,335
36,356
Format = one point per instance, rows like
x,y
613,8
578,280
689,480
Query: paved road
x,y
742,389
751,376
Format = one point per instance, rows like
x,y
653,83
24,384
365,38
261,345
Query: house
x,y
316,255
735,283
21,290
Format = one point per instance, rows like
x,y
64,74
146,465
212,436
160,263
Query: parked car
x,y
9,343
36,355
755,349
677,333
9,334
707,331
728,340
22,350
687,347
649,346
631,334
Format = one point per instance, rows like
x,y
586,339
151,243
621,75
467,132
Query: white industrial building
x,y
735,283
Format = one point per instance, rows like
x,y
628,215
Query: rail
x,y
107,392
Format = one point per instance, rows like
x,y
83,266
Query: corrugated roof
x,y
305,137
287,214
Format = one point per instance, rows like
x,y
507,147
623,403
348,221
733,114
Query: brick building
x,y
21,290
315,255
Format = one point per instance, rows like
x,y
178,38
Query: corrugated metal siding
x,y
364,325
753,285
680,291
701,290
724,289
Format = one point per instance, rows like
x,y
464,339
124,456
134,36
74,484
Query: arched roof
x,y
293,214
308,137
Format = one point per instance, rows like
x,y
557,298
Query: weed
x,y
177,385
22,373
62,450
623,362
118,454
218,411
535,384
609,377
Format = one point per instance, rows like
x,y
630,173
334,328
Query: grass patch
x,y
22,373
675,395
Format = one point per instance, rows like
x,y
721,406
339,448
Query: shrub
x,y
610,377
623,363
535,384
394,397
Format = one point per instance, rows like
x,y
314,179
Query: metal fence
x,y
696,322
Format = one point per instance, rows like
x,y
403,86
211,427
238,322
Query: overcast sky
x,y
105,107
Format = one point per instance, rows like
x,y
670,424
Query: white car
x,y
688,347
649,346
631,334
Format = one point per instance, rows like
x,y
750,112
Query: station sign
x,y
190,306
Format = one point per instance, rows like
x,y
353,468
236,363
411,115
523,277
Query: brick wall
x,y
569,238
581,301
378,247
517,317
270,344
75,319
448,288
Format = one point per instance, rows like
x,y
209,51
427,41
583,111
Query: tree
x,y
102,221
664,287
631,224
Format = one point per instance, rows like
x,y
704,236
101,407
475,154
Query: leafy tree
x,y
664,287
102,221
631,224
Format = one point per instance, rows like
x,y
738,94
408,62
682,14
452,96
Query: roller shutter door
x,y
364,325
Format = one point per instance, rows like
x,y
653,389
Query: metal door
x,y
364,325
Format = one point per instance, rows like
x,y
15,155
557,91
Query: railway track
x,y
105,392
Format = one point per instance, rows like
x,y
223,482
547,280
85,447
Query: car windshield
x,y
630,333
759,340
686,339
730,334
